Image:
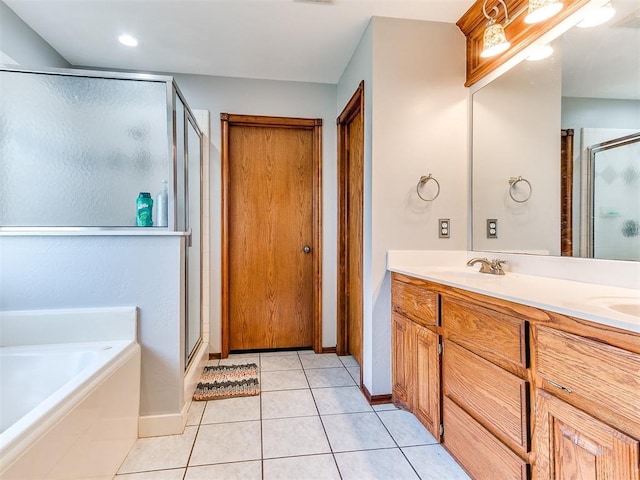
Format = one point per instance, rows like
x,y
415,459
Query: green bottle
x,y
144,207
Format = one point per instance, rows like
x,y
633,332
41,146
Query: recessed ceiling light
x,y
128,40
540,53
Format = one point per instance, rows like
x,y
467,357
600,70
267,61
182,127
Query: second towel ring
x,y
422,182
513,181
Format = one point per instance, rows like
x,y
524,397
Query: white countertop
x,y
597,303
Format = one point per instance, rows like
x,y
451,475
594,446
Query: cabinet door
x,y
489,392
402,366
426,401
571,444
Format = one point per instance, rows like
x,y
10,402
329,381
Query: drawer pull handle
x,y
557,385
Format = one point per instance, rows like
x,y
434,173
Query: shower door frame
x,y
592,150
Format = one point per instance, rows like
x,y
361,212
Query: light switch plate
x,y
492,228
444,230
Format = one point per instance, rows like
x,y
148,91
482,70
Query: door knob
x,y
306,249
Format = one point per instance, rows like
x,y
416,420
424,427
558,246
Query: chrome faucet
x,y
493,267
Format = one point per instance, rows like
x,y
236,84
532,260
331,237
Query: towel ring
x,y
513,181
422,182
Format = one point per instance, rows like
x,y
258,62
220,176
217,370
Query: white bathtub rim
x,y
71,325
15,440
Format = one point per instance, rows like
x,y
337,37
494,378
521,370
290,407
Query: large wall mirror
x,y
556,147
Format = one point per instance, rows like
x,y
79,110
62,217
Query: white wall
x,y
527,96
53,272
419,127
273,98
20,43
415,123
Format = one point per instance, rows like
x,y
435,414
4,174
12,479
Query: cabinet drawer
x,y
488,391
415,302
490,334
479,452
604,375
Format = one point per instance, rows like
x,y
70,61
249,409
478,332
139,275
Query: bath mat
x,y
228,381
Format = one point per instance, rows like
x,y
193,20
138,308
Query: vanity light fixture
x,y
598,16
128,40
494,39
540,53
540,10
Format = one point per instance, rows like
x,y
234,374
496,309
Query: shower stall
x,y
77,148
613,195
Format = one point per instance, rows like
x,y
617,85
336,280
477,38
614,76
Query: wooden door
x,y
427,379
571,444
402,368
271,233
350,226
566,192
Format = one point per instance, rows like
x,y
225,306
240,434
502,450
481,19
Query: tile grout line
x,y
261,420
396,442
195,437
326,436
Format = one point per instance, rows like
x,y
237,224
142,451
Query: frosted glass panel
x,y
616,203
194,254
76,151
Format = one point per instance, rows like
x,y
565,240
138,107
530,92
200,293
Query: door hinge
x,y
442,429
440,348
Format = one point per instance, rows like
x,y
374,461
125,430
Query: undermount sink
x,y
626,305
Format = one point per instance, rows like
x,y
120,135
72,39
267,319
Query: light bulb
x,y
128,40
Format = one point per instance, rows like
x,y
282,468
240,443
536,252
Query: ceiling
x,y
604,61
266,39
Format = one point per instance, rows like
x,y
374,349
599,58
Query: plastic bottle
x,y
162,212
144,210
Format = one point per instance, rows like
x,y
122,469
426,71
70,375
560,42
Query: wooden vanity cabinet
x,y
485,390
524,393
587,408
572,444
416,347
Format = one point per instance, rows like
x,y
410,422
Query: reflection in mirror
x,y
613,197
537,121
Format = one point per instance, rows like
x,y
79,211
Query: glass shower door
x,y
614,199
194,250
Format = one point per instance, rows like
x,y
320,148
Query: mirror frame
x,y
521,35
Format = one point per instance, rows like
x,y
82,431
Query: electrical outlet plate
x,y
492,228
444,230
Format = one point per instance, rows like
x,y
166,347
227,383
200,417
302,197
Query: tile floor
x,y
310,422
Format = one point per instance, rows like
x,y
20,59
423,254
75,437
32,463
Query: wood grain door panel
x,y
573,445
426,398
350,226
402,369
355,201
491,393
481,454
269,197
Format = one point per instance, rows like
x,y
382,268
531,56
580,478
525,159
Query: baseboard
x,y
375,399
174,423
215,356
160,425
328,349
